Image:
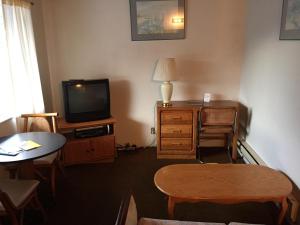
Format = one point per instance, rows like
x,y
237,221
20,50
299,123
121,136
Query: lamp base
x,y
167,104
166,92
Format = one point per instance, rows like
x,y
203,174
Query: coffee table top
x,y
222,182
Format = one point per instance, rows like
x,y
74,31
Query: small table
x,y
222,183
50,143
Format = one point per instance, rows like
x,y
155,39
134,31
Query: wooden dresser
x,y
176,131
178,127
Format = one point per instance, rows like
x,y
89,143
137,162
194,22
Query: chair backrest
x,y
40,122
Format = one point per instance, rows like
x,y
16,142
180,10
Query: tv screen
x,y
86,100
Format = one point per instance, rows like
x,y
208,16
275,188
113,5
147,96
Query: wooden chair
x,y
217,124
40,122
15,195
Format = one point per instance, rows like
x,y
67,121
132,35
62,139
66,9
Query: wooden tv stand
x,y
90,149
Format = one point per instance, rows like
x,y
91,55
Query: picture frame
x,y
290,20
157,19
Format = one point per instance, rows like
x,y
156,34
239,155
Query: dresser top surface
x,y
199,104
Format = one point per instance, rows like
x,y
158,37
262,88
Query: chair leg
x,y
14,220
52,179
38,205
40,175
1,223
229,147
12,171
53,168
21,216
10,210
61,168
199,155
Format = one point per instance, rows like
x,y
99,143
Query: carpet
x,y
91,194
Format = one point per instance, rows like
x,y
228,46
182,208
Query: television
x,y
86,100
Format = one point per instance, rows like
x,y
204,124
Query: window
x,y
20,86
6,107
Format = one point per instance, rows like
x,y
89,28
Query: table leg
x,y
284,206
234,147
171,205
26,170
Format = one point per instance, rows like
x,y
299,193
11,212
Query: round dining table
x,y
49,143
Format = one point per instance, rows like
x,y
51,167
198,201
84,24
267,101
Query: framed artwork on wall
x,y
290,20
157,19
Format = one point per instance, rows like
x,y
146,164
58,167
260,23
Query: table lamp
x,y
165,71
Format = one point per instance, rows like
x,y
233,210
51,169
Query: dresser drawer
x,y
176,130
176,144
176,117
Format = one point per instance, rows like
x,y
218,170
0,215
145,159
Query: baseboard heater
x,y
250,157
248,154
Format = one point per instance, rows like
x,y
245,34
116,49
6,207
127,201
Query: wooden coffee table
x,y
222,183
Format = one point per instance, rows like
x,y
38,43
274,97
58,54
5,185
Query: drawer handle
x,y
177,131
177,144
177,118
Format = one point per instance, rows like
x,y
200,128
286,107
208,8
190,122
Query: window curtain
x,y
21,74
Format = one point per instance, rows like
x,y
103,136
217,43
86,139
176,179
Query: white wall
x,y
270,88
92,39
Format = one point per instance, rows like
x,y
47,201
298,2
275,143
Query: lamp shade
x,y
165,70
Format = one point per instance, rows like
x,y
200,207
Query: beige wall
x,y
270,88
92,39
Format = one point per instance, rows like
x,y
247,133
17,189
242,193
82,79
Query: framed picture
x,y
290,21
157,19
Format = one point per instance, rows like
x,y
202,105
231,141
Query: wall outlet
x,y
152,130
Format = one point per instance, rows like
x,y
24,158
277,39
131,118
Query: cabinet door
x,y
77,151
103,147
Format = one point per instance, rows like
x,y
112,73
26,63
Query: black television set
x,y
86,100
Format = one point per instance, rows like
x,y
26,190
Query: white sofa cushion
x,y
149,221
236,223
131,218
